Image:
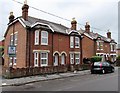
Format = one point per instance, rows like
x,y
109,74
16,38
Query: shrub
x,y
118,58
96,58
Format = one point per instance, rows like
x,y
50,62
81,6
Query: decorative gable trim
x,y
74,31
42,24
88,36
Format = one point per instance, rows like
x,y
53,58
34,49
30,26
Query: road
x,y
90,82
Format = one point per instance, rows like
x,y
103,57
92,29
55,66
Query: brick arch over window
x,y
63,52
56,52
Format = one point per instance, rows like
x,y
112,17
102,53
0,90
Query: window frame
x,y
99,45
16,38
44,58
11,39
77,42
71,58
77,58
71,41
44,37
14,60
36,41
36,59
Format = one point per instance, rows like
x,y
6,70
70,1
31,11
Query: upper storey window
x,y
44,38
37,37
74,42
99,45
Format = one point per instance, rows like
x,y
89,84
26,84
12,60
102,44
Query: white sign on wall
x,y
12,51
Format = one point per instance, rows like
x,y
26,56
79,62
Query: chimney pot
x,y
11,17
73,24
87,27
109,34
25,11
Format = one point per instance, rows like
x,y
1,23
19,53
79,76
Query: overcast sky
x,y
101,14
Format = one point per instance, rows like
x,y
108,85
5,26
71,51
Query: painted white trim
x,y
100,53
74,31
22,22
48,51
57,53
63,52
113,54
74,52
42,24
88,35
18,19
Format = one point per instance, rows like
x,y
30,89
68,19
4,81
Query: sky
x,y
101,14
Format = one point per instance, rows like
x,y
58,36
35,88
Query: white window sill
x,y
14,64
44,65
36,66
44,44
36,44
77,47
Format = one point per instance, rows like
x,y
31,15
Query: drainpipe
x,y
27,48
52,48
95,48
81,48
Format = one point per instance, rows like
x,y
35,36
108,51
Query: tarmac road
x,y
89,82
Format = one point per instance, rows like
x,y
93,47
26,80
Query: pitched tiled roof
x,y
96,35
56,27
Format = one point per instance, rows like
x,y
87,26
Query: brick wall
x,y
88,47
21,45
23,72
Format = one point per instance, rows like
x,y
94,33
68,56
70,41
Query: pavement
x,y
32,79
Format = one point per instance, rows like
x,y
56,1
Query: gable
x,y
14,23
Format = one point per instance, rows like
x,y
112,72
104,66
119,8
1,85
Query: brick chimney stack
x,y
11,17
73,24
25,11
109,34
87,28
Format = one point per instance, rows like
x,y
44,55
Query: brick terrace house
x,y
96,44
41,43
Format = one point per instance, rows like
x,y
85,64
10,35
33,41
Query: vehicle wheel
x,y
103,71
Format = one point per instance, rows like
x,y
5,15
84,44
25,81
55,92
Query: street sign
x,y
12,50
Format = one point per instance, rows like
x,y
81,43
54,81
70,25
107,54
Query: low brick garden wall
x,y
23,72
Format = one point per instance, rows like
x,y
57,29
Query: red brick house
x,y
98,45
41,43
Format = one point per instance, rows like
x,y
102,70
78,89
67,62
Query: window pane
x,y
72,58
77,58
71,42
44,37
36,59
36,37
44,59
44,34
44,40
